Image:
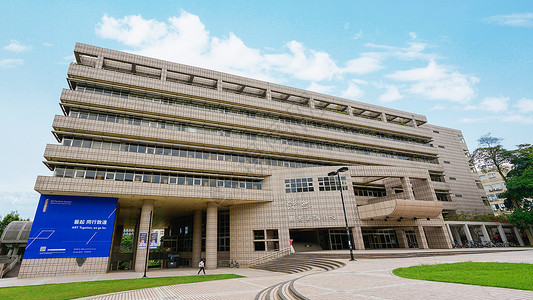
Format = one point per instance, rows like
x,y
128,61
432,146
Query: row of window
x,y
152,177
370,192
299,185
148,122
494,187
149,149
190,103
331,183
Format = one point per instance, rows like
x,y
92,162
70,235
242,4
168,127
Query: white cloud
x,y
16,46
494,104
362,65
515,118
525,105
11,63
414,51
358,35
353,91
46,44
346,25
131,30
391,94
413,35
23,202
438,107
304,64
436,82
516,19
315,87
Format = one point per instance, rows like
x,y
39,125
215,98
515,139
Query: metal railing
x,y
10,266
269,256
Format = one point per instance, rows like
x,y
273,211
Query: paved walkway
x,y
361,279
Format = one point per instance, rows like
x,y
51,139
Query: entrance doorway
x,y
380,239
319,239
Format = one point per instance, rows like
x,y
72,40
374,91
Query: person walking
x,y
201,265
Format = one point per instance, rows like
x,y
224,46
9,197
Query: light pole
x,y
343,169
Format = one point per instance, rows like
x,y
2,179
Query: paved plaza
x,y
361,279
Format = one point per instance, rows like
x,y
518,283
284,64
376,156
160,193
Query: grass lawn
x,y
505,275
91,288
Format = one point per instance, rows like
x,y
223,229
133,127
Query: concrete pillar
x,y
402,239
485,233
502,234
219,85
164,73
467,233
211,259
115,245
407,188
358,242
135,243
311,102
421,237
99,62
414,123
269,94
349,109
518,237
383,117
144,224
450,233
197,238
456,234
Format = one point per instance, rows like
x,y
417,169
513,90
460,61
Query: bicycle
x,y
234,263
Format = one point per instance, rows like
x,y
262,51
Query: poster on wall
x,y
72,226
153,240
143,237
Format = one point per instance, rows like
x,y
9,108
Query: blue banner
x,y
72,226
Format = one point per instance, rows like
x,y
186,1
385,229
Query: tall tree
x,y
491,155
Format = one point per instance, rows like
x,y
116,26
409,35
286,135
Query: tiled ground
x,y
361,279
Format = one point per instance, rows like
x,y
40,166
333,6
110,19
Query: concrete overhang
x,y
400,208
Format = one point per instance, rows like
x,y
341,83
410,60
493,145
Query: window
x,y
458,195
331,183
441,146
436,131
266,242
446,162
497,187
453,178
299,185
482,177
491,197
491,175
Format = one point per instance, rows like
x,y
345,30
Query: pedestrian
x,y
201,265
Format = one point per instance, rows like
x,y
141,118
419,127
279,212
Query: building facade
x,y
234,168
494,185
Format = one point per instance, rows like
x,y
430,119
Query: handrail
x,y
269,256
10,266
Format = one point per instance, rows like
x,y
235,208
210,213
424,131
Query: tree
x,y
10,217
516,169
126,246
491,155
521,218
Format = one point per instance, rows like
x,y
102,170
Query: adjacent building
x,y
233,168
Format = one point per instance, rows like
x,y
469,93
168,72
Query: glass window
x,y
259,234
164,179
90,174
67,142
147,178
69,173
110,175
119,176
129,176
80,173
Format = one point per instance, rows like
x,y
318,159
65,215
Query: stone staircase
x,y
291,264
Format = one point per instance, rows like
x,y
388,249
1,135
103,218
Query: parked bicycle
x,y
234,264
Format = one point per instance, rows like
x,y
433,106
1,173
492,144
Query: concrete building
x,y
236,168
494,185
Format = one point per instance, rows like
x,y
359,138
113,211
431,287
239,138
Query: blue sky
x,y
464,64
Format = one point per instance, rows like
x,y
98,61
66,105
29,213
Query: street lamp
x,y
343,169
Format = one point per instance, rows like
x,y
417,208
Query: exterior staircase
x,y
292,264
